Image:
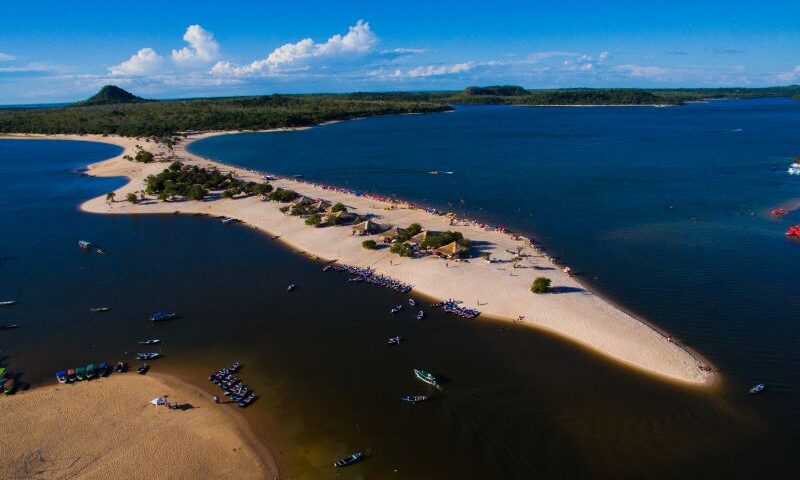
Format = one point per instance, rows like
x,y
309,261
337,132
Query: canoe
x,y
426,377
349,460
102,369
90,371
80,373
159,316
61,376
71,375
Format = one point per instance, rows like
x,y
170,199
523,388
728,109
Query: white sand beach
x,y
496,289
107,428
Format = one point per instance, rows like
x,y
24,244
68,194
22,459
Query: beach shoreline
x,y
577,314
84,430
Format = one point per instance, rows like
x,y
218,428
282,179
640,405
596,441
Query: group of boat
x,y
794,169
793,231
232,386
452,306
369,275
7,383
88,372
147,355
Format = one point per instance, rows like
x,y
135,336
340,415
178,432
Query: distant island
x,y
115,111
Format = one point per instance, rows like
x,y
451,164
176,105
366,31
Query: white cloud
x,y
603,56
790,76
142,62
202,47
358,41
643,71
434,70
4,57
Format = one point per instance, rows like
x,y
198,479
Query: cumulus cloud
x,y
202,47
433,70
790,76
357,42
143,62
4,57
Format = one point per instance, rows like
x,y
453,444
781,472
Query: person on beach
x,y
216,399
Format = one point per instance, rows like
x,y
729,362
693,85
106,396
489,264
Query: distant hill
x,y
497,90
110,95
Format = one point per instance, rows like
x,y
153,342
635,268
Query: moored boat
x,y
71,377
90,371
98,309
6,326
348,460
80,373
120,367
6,303
61,376
757,388
160,316
147,355
84,245
291,287
149,341
426,377
412,302
395,340
143,368
9,386
414,398
396,309
102,369
420,315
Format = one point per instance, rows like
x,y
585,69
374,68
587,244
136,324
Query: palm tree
x,y
110,196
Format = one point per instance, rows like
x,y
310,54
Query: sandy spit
x,y
496,289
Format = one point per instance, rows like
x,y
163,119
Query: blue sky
x,y
53,51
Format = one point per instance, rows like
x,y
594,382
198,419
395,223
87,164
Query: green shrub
x,y
283,195
229,193
540,285
313,220
131,197
338,207
196,192
143,156
402,249
369,244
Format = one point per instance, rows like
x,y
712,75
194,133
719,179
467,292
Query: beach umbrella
x,y
158,401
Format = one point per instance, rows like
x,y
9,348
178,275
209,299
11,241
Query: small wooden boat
x,y
84,245
9,386
327,267
147,355
102,369
426,377
120,367
80,373
412,302
420,315
90,371
149,341
61,376
228,220
757,388
395,340
161,316
414,398
291,287
7,326
396,309
348,460
6,303
71,377
98,309
143,368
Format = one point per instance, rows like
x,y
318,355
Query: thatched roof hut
x,y
367,227
393,233
420,237
301,201
451,249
